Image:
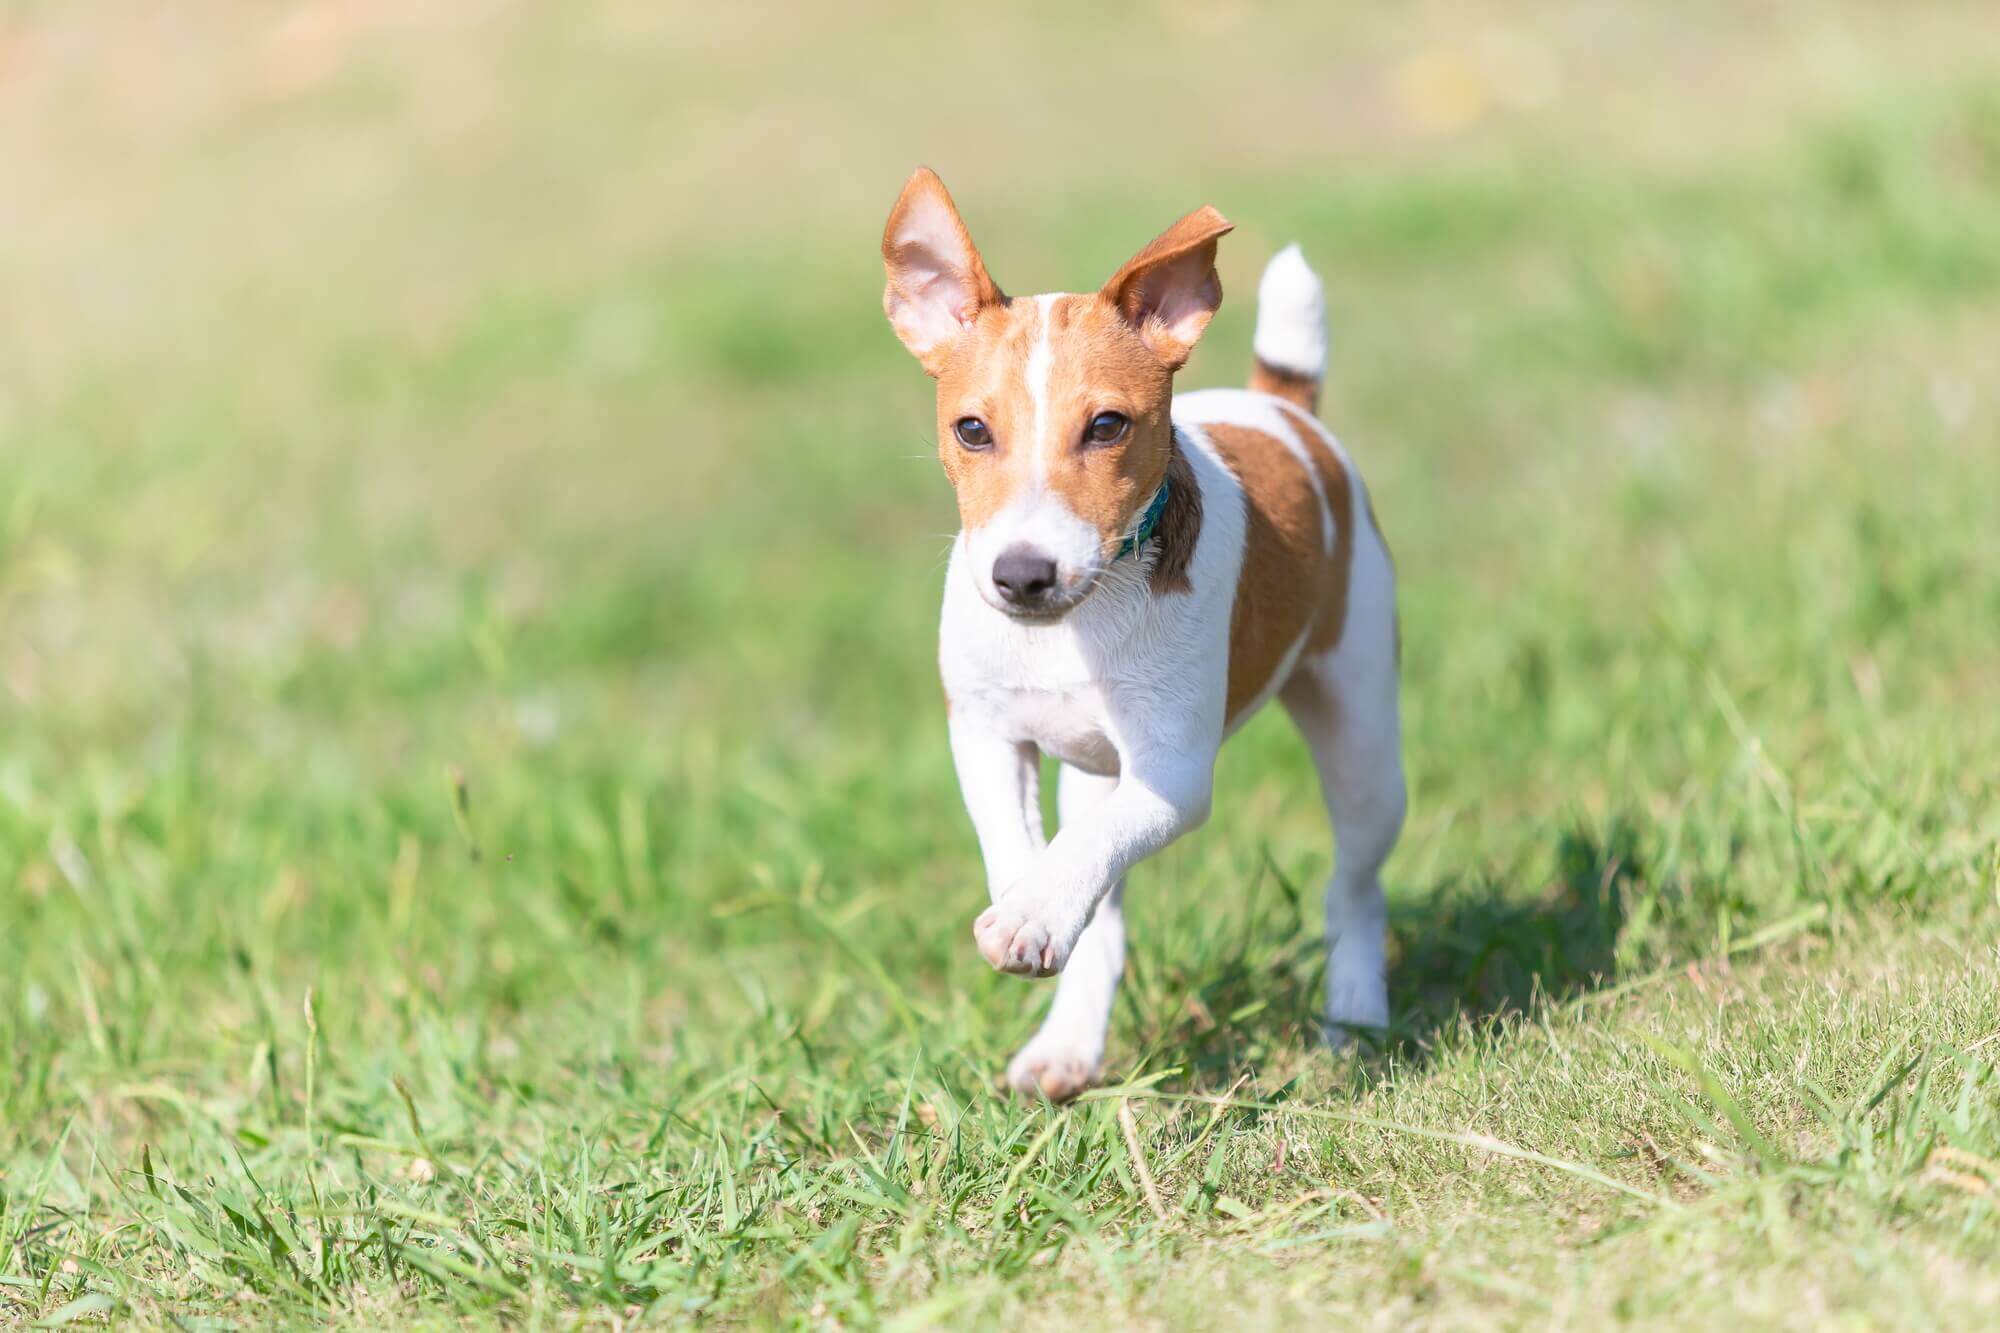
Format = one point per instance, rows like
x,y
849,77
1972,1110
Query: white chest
x,y
1069,724
1040,685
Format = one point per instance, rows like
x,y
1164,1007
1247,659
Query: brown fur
x,y
982,377
1180,527
1299,390
1169,289
1286,580
1339,488
1097,363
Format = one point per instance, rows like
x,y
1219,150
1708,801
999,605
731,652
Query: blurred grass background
x,y
468,426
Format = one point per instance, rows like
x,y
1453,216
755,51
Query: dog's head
x,y
1052,410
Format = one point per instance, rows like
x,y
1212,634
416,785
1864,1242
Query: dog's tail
x,y
1291,330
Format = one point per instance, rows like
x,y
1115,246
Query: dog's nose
x,y
1024,576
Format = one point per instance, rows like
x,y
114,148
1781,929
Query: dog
x,y
1136,574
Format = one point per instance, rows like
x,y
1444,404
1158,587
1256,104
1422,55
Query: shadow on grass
x,y
1477,951
1463,953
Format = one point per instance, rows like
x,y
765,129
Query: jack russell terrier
x,y
1138,572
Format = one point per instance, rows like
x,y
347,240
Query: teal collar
x,y
1149,521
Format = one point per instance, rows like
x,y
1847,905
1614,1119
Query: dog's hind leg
x,y
1344,704
1066,1054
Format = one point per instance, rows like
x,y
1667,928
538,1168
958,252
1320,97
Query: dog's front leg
x,y
1001,782
1066,1054
1162,792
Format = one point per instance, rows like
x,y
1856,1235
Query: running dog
x,y
1137,573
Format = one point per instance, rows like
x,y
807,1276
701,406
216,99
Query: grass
x,y
477,843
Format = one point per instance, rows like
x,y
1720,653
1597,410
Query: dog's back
x,y
1313,557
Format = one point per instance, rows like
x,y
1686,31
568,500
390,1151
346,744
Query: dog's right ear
x,y
937,281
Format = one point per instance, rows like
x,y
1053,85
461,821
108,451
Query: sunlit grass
x,y
476,836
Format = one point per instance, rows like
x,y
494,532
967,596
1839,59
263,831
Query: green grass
x,y
477,841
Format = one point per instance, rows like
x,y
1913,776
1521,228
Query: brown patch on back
x,y
1286,578
1335,480
1301,391
1180,526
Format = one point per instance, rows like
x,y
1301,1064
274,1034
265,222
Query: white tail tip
x,y
1291,316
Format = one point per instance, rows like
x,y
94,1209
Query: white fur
x,y
1041,361
1128,691
1291,316
1068,1050
1039,518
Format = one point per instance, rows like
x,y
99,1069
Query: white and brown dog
x,y
1137,573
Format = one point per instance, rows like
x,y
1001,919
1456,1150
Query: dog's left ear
x,y
1169,290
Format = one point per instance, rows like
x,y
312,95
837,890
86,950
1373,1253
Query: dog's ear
x,y
937,281
1169,290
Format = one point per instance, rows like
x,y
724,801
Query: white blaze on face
x,y
1037,517
1040,362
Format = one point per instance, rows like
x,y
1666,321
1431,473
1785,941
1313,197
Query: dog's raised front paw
x,y
1048,1070
1018,939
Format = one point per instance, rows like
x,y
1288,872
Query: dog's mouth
x,y
1053,615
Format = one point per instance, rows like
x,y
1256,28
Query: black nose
x,y
1024,575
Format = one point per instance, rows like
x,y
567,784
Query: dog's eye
x,y
1107,428
973,434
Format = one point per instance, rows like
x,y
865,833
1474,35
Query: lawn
x,y
477,839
